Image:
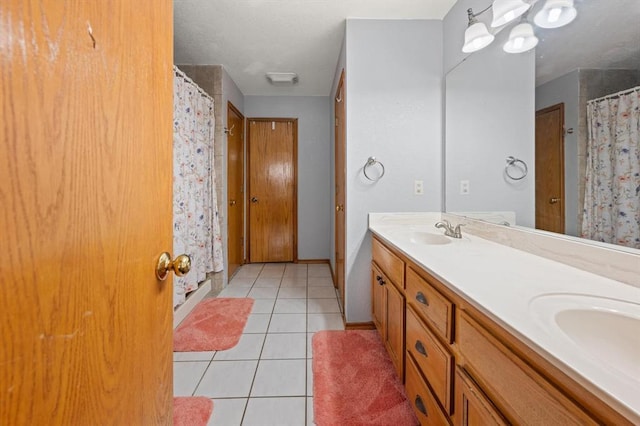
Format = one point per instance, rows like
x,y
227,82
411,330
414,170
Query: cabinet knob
x,y
420,348
422,298
420,405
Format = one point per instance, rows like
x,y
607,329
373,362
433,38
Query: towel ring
x,y
511,162
372,162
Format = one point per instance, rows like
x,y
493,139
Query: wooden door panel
x,y
272,206
340,198
235,185
86,143
550,214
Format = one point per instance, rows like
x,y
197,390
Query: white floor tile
x,y
241,282
186,376
285,346
317,322
319,306
193,356
320,282
263,306
310,421
227,379
227,412
319,271
249,347
257,323
230,291
280,378
267,282
293,293
291,306
263,293
294,282
310,345
275,412
249,271
323,292
288,323
309,378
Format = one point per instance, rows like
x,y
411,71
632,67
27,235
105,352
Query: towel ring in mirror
x,y
370,163
516,163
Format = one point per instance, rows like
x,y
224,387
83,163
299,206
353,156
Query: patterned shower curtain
x,y
196,227
612,196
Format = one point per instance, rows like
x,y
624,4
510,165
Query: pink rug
x,y
192,411
354,382
214,325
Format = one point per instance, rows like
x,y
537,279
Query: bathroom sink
x,y
602,329
418,237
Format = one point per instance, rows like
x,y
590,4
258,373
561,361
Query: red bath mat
x,y
354,382
191,410
214,325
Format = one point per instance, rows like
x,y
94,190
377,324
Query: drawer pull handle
x,y
380,280
420,348
422,299
420,405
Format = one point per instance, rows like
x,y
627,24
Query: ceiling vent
x,y
282,78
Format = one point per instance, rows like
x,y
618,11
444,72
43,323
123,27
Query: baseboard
x,y
360,326
314,261
181,312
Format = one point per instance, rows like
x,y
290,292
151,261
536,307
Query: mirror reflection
x,y
572,125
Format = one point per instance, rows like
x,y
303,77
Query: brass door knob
x,y
339,208
232,202
554,200
181,265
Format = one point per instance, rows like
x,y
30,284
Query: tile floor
x,y
266,380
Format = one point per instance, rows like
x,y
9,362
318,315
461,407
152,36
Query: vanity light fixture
x,y
505,11
476,36
521,39
555,14
282,78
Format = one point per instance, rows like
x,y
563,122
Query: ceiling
x,y
252,37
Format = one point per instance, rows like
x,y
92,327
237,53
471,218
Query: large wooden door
x,y
85,211
340,199
235,187
272,189
550,169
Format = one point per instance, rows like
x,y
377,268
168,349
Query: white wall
x,y
314,159
394,112
566,89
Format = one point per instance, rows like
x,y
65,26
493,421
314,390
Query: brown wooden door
x,y
272,189
340,198
235,187
550,169
85,211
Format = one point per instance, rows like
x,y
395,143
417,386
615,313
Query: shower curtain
x,y
196,227
612,195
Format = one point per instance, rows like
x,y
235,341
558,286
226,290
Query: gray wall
x,y
394,112
314,159
566,89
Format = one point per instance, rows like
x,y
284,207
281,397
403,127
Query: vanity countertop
x,y
512,286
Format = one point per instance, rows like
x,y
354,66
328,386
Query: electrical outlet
x,y
418,187
464,187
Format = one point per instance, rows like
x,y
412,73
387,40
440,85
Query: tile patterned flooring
x,y
266,379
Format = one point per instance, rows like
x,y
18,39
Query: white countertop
x,y
504,282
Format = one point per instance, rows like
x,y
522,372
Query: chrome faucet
x,y
450,230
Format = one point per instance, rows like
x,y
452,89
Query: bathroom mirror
x,y
493,99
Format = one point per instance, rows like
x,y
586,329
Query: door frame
x,y
236,111
294,203
340,179
560,107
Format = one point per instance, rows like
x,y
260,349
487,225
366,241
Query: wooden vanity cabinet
x,y
462,367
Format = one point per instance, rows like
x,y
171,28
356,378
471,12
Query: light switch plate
x,y
465,189
418,187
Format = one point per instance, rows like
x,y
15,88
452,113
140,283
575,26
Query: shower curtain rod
x,y
182,75
615,95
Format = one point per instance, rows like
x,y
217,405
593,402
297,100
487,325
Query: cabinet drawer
x,y
431,357
426,300
390,264
420,398
521,394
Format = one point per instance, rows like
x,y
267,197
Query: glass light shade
x,y
555,14
476,37
521,39
505,11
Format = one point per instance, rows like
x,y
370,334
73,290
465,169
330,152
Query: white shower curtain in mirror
x,y
612,194
196,227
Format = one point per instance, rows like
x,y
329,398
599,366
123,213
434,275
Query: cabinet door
x,y
378,301
471,406
395,327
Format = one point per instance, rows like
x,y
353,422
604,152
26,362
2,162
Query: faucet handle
x,y
457,232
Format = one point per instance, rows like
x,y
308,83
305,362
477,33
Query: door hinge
x,y
336,121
